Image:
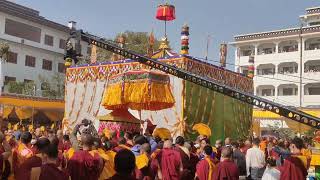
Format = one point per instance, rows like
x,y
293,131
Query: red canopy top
x,y
166,12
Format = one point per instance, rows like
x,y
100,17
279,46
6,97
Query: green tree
x,y
52,87
26,88
135,41
4,51
15,87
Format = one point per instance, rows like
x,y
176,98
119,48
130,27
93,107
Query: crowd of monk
x,y
52,155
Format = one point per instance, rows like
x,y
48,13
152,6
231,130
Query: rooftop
x,y
311,28
29,14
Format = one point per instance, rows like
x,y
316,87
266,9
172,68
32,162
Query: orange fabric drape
x,y
23,113
6,111
54,116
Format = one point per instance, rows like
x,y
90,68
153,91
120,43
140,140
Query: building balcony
x,y
288,100
311,100
311,54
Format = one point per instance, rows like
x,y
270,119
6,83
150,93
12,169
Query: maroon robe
x,y
170,163
185,159
226,169
194,159
120,177
145,173
4,166
203,169
67,145
293,169
52,172
83,165
24,170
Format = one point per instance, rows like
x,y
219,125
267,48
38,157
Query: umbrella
x,y
202,129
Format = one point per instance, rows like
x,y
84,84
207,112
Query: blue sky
x,y
222,19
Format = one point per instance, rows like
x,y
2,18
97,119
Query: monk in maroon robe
x,y
226,169
170,163
144,170
84,164
121,145
125,163
24,171
295,166
5,152
185,158
206,167
49,170
66,143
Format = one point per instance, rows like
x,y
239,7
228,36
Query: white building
x,y
279,58
36,45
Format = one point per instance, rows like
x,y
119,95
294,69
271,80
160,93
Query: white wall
x,y
38,50
278,79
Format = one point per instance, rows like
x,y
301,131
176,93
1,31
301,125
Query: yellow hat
x,y
202,129
163,133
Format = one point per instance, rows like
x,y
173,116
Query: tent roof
x,y
28,101
119,115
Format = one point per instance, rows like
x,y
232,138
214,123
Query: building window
x,y
61,68
48,40
62,44
267,92
28,81
13,57
89,49
30,61
314,90
47,65
267,71
287,92
8,79
22,30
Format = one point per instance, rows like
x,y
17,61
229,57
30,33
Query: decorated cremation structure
x,y
98,91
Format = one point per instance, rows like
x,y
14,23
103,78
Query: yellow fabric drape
x,y
256,126
297,127
6,111
54,116
142,161
41,104
23,113
138,95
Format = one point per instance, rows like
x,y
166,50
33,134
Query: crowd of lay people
x,y
53,155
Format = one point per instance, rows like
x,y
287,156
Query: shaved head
x,y
145,148
59,134
167,144
226,152
87,139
